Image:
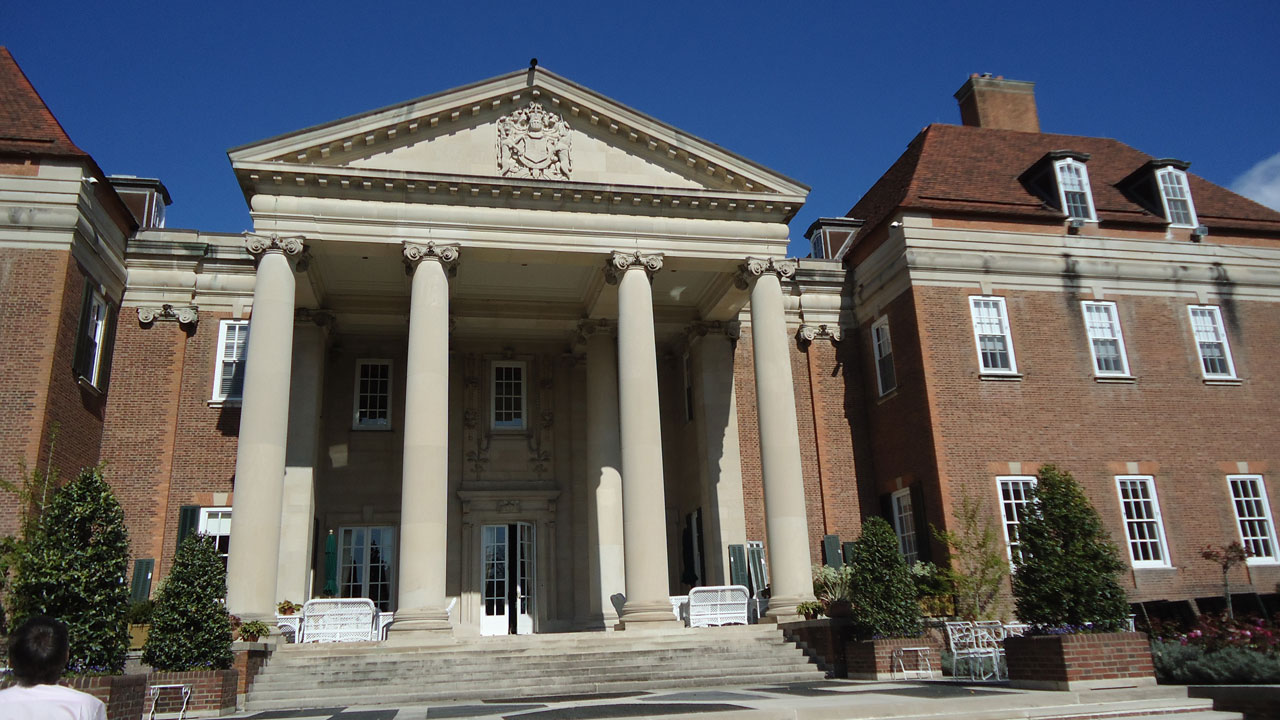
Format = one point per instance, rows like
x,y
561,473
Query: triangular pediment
x,y
530,128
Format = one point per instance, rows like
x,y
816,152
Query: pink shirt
x,y
49,702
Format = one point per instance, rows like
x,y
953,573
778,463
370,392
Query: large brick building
x,y
520,352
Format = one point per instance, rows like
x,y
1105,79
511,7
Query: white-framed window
x,y
228,373
992,336
93,336
366,564
886,379
904,524
1253,515
1175,195
1015,502
215,522
1211,342
1073,189
1143,526
508,396
1106,341
372,395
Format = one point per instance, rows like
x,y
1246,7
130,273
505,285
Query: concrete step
x,y
381,696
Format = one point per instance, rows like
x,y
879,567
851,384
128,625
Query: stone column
x,y
719,458
297,517
787,527
424,496
254,553
604,476
644,518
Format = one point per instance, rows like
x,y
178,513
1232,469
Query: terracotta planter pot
x,y
1081,661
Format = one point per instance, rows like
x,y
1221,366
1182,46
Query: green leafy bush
x,y
190,626
882,592
71,565
978,561
1066,575
140,612
831,585
1190,664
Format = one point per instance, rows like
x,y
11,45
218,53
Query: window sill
x,y
1000,377
1121,379
371,428
1153,567
1223,381
234,402
84,383
1262,562
886,397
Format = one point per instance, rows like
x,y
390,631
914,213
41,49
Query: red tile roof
x,y
959,169
27,126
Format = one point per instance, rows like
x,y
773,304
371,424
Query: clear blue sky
x,y
829,93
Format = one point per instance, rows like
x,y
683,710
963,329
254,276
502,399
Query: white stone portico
x,y
517,260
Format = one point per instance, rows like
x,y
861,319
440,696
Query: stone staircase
x,y
526,666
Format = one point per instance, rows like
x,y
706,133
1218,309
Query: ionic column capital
x,y
319,318
808,333
591,328
262,244
415,253
620,262
731,329
754,267
184,314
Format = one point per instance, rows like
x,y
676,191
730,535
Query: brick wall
x,y
124,695
1186,434
212,691
875,659
76,409
1083,657
824,640
250,659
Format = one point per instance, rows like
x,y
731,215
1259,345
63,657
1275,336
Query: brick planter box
x,y
249,661
1082,661
874,659
213,692
124,695
824,640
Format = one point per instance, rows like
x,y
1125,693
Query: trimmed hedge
x,y
1179,664
190,626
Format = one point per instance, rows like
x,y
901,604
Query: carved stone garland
x,y
534,143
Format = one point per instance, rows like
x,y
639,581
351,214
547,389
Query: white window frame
x,y
219,527
391,563
1060,170
1004,331
220,394
1132,523
1178,178
1014,505
882,348
493,395
1221,337
904,525
95,330
1263,503
1117,334
372,424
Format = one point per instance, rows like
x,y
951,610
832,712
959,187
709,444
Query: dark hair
x,y
38,651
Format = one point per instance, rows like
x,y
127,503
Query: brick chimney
x,y
993,102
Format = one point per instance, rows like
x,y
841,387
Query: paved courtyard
x,y
825,700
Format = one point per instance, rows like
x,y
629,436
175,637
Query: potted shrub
x,y
254,629
886,613
810,609
1064,586
287,607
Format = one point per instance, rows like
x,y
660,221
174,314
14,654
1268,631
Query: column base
x,y
647,615
783,609
420,627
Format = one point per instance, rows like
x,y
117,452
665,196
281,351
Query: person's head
x,y
38,651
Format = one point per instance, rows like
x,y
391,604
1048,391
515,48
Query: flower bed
x,y
1080,661
1218,650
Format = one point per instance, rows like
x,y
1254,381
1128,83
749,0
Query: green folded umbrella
x,y
331,565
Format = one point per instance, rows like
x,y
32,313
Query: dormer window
x,y
1061,179
1176,197
1073,189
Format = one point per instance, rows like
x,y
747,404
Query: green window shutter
x,y
141,588
738,565
846,549
831,551
923,548
80,361
188,521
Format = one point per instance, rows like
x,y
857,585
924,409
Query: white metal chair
x,y
967,645
718,605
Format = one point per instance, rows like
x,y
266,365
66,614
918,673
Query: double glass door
x,y
506,556
366,564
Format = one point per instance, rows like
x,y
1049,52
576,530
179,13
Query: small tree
x,y
1066,574
883,593
978,562
1226,557
71,565
190,626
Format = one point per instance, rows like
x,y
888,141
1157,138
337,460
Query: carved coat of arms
x,y
533,143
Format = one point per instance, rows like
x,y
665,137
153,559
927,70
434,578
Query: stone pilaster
x,y
787,527
604,471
